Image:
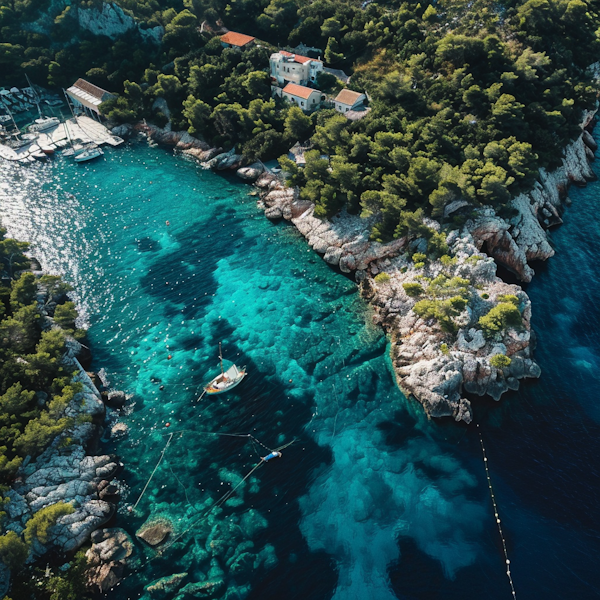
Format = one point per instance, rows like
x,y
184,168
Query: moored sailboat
x,y
226,380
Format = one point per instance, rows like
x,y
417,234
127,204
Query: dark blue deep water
x,y
372,500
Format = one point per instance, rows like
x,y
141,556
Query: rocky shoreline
x,y
69,470
434,364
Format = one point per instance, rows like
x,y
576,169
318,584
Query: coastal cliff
x,y
437,356
68,473
437,364
109,20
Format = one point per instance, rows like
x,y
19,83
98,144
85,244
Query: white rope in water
x,y
496,514
162,455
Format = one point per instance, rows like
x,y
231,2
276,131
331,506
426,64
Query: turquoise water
x,y
371,500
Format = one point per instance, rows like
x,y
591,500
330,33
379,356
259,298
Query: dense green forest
x,y
468,99
35,389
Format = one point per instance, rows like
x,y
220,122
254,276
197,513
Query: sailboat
x,y
43,123
226,380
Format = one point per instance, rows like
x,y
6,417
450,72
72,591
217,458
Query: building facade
x,y
287,68
88,97
306,98
348,100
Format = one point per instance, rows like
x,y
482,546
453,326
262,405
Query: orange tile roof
x,y
298,58
347,97
298,90
237,39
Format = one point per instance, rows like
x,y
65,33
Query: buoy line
x,y
273,453
496,513
162,455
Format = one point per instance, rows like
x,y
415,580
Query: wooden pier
x,y
81,131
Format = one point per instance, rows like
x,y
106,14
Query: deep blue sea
x,y
371,500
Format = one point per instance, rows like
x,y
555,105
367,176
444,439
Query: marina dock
x,y
83,130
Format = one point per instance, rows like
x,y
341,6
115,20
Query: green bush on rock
x,y
37,527
381,277
500,361
500,317
413,289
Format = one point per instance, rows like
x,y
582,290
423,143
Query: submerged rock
x,y
155,531
204,589
165,586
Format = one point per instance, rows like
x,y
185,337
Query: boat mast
x,y
18,131
221,359
36,98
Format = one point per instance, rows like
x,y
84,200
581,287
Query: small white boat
x,y
226,380
88,154
44,123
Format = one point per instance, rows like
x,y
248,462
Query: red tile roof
x,y
297,57
298,90
237,39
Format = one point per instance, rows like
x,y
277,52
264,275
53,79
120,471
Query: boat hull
x,y
214,391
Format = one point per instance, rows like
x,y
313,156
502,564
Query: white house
x,y
293,68
306,98
241,41
348,100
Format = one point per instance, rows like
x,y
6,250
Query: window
x,y
347,109
302,103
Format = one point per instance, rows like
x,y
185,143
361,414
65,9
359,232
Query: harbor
x,y
81,135
79,131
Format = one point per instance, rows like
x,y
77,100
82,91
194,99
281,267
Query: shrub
x,y
413,289
509,298
13,550
382,277
419,265
473,260
37,527
444,349
500,361
418,257
485,296
501,316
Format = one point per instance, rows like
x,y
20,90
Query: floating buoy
x,y
167,424
161,388
169,357
290,380
130,509
167,222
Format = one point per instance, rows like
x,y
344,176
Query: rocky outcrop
x,y
522,238
107,558
108,20
250,173
225,161
180,140
112,22
435,366
343,241
123,131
